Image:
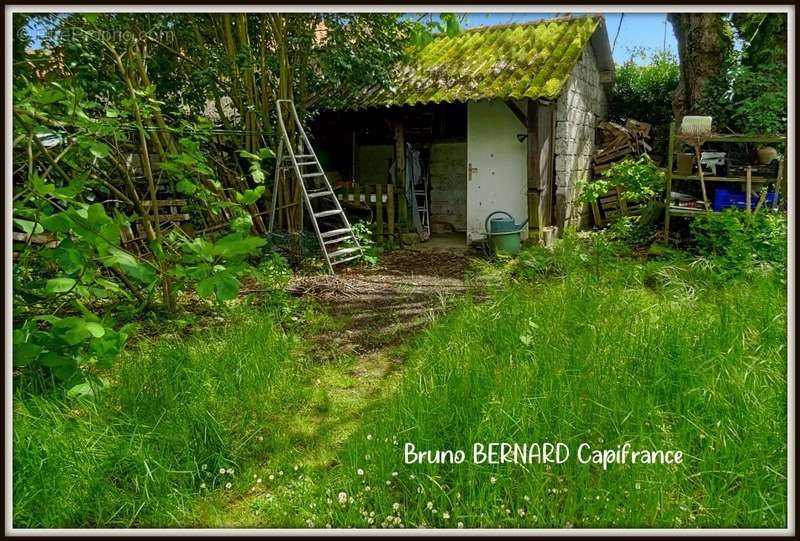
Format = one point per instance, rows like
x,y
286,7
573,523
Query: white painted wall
x,y
499,175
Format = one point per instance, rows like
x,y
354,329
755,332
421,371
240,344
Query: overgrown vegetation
x,y
737,240
116,115
643,89
640,180
750,95
574,345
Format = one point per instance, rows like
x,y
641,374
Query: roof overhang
x,y
602,52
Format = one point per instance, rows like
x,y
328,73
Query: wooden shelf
x,y
722,179
751,138
687,211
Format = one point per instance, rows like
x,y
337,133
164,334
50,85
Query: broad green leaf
x,y
58,223
95,329
52,359
250,196
132,267
25,352
248,155
41,186
99,150
206,287
227,287
29,227
81,389
186,187
59,285
233,245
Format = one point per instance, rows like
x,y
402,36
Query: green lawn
x,y
563,348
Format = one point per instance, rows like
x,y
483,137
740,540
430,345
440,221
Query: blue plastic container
x,y
725,197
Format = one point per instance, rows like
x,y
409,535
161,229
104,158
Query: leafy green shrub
x,y
640,179
644,92
630,231
363,234
737,239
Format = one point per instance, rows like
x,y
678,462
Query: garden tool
x,y
695,130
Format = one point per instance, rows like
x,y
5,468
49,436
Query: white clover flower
x,y
396,506
296,467
369,436
521,512
429,505
397,520
388,483
359,471
271,477
460,524
255,475
204,467
328,525
412,476
202,485
343,498
370,520
222,471
228,485
395,474
527,498
261,438
230,471
280,473
493,480
258,480
446,515
638,486
367,488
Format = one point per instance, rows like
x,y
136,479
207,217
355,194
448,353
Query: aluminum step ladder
x,y
421,195
336,239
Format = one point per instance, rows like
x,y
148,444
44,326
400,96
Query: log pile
x,y
616,142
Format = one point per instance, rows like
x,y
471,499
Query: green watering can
x,y
504,234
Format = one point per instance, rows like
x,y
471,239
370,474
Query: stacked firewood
x,y
616,142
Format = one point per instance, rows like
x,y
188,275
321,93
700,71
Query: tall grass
x,y
658,355
575,346
177,413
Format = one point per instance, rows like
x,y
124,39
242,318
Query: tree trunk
x,y
704,41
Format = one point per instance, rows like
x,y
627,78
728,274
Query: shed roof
x,y
514,61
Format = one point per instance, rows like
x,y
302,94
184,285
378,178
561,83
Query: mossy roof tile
x,y
530,60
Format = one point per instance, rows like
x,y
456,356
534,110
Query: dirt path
x,y
384,304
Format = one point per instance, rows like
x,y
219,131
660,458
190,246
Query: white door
x,y
496,165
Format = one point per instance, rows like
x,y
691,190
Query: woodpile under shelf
x,y
616,142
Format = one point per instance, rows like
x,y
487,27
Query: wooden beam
x,y
399,153
517,112
535,211
668,181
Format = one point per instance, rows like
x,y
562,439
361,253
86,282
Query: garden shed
x,y
494,118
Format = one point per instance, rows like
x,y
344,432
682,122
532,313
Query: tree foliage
x,y
643,91
116,112
750,94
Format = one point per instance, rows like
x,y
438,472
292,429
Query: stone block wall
x,y
581,106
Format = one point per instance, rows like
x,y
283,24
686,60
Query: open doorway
x,y
359,150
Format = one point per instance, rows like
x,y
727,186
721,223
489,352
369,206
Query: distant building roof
x,y
513,61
